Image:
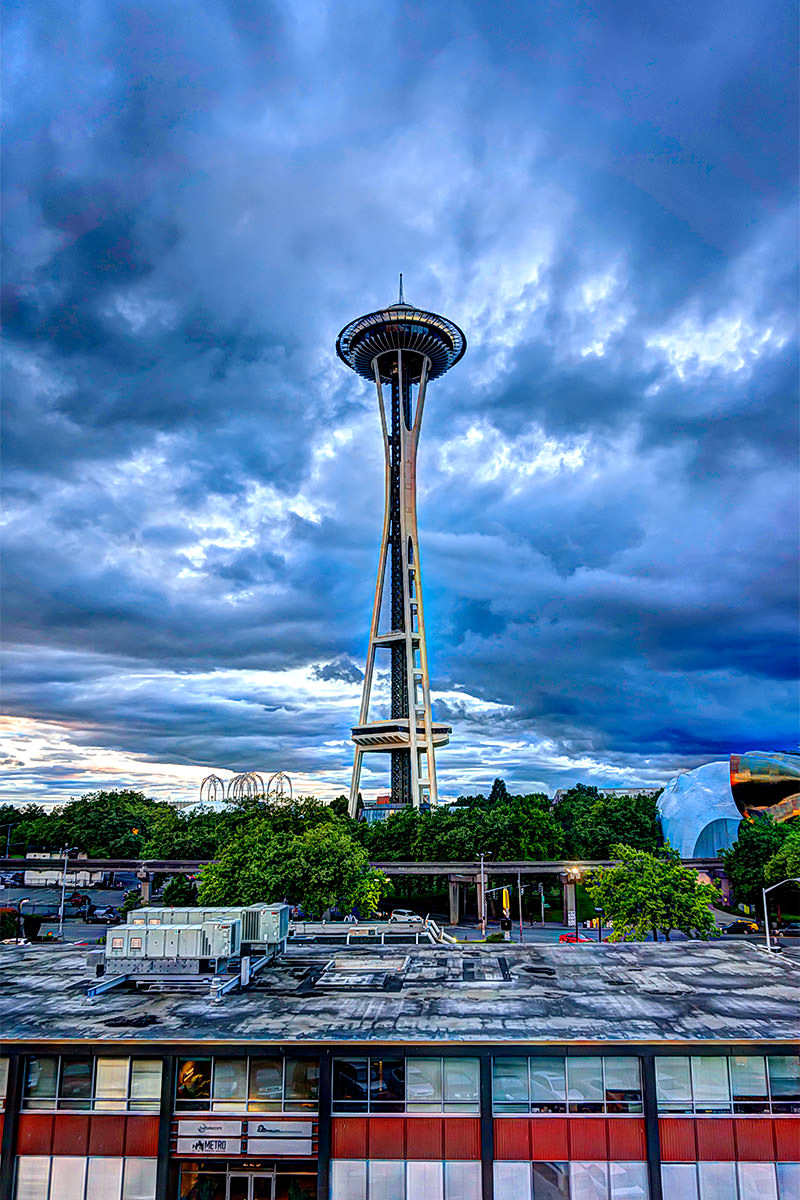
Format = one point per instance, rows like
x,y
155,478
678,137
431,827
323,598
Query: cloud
x,y
198,199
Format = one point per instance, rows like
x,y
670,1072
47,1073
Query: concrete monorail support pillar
x,y
455,898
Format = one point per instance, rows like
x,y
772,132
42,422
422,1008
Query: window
x,y
247,1085
3,1082
76,1178
410,1085
397,1180
572,1181
730,1181
611,1084
712,1084
101,1084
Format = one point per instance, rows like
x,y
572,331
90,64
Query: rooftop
x,y
688,991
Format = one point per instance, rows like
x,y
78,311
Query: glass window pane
x,y
104,1178
348,1180
512,1181
193,1088
33,1177
623,1084
679,1181
301,1083
387,1084
717,1180
548,1085
230,1084
550,1181
350,1084
461,1084
40,1082
749,1081
146,1083
510,1083
66,1178
75,1088
200,1185
3,1080
674,1084
585,1084
387,1180
424,1181
628,1181
139,1179
789,1181
266,1084
111,1083
462,1181
784,1078
710,1084
589,1180
424,1084
757,1181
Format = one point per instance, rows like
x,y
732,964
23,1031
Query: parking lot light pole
x,y
600,914
67,851
574,874
766,914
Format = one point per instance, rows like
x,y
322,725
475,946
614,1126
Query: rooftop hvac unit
x,y
212,939
266,924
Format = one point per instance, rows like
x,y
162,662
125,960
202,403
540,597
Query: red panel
x,y
107,1136
676,1135
715,1141
587,1139
385,1137
349,1137
424,1138
141,1137
35,1133
787,1138
549,1141
70,1134
462,1138
754,1141
626,1139
512,1138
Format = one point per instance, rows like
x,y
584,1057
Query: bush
x,y
31,926
9,923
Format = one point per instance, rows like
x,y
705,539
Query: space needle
x,y
401,349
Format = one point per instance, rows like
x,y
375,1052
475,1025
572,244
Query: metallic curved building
x,y
766,782
400,348
698,816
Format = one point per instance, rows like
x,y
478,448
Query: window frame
x,y
765,1106
94,1102
395,1107
568,1107
249,1103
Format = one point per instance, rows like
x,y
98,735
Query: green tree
x,y
785,862
613,820
317,868
651,893
180,892
758,841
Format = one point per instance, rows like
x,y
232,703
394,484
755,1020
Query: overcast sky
x,y
200,194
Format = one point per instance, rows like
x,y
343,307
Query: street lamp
x,y
574,873
600,914
22,900
66,852
483,899
764,898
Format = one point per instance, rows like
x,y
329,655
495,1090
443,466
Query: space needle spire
x,y
401,349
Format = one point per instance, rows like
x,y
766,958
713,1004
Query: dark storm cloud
x,y
197,198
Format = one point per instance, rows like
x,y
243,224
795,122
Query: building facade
x,y
411,1073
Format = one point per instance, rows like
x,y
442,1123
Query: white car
x,y
405,915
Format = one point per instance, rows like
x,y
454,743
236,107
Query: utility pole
x,y
519,893
483,900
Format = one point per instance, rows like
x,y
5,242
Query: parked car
x,y
573,937
741,927
792,930
405,915
106,915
